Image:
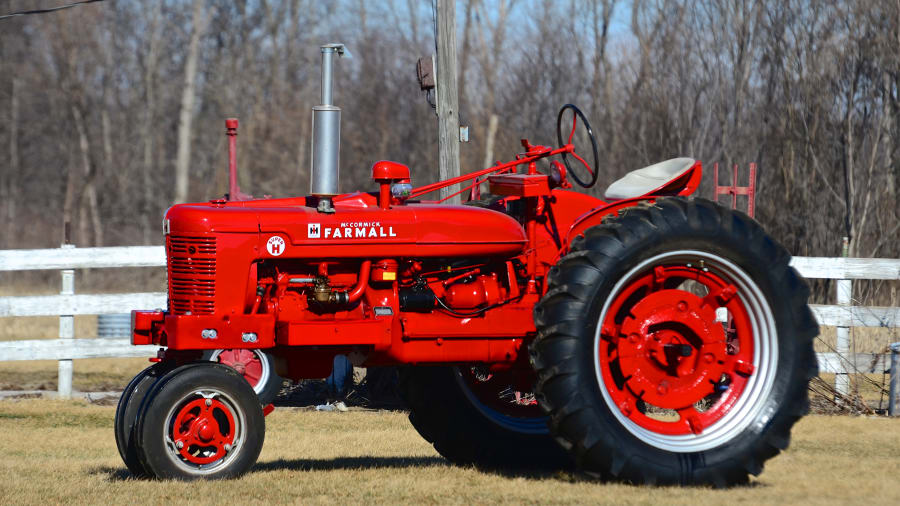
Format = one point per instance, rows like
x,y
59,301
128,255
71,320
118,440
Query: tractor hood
x,y
287,228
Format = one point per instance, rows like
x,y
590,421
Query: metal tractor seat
x,y
643,181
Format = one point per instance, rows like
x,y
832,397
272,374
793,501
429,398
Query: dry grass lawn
x,y
64,452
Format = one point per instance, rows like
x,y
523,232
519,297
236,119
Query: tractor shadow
x,y
347,463
376,463
116,474
569,474
566,475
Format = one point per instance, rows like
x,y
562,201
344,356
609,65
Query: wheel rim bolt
x,y
682,306
609,332
695,425
744,368
209,402
709,358
633,338
179,444
227,447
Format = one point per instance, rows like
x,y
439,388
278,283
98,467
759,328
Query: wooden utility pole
x,y
447,95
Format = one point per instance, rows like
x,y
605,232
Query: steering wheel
x,y
576,113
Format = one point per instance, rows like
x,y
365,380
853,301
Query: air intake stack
x,y
326,136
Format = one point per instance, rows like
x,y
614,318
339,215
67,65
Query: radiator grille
x,y
192,274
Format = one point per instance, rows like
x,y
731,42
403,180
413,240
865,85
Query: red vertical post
x,y
734,190
231,126
734,186
716,181
751,190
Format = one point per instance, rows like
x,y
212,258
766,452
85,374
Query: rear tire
x,y
201,420
466,431
624,346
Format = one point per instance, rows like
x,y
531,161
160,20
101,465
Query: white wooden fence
x,y
845,315
67,304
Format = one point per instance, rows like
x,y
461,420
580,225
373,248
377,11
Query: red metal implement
x,y
734,190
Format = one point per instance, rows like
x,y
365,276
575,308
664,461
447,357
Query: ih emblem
x,y
313,230
275,245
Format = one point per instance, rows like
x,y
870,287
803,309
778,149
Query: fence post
x,y
844,294
894,401
66,331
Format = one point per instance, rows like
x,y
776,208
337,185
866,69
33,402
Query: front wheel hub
x,y
203,430
674,350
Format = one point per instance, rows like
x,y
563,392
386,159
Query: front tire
x,y
674,346
127,411
201,420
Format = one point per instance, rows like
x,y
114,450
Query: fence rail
x,y
847,268
69,349
66,305
82,258
856,316
83,304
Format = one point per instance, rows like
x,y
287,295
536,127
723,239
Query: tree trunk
x,y
489,141
601,88
9,196
186,114
90,190
68,202
147,126
464,60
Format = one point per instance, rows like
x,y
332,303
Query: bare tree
x,y
9,193
148,132
98,102
188,95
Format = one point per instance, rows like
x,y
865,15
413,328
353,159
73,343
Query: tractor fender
x,y
595,217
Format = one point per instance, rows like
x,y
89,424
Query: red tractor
x,y
649,337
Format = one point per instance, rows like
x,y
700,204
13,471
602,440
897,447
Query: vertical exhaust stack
x,y
326,136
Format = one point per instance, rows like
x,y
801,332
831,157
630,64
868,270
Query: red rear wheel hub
x,y
671,353
662,348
